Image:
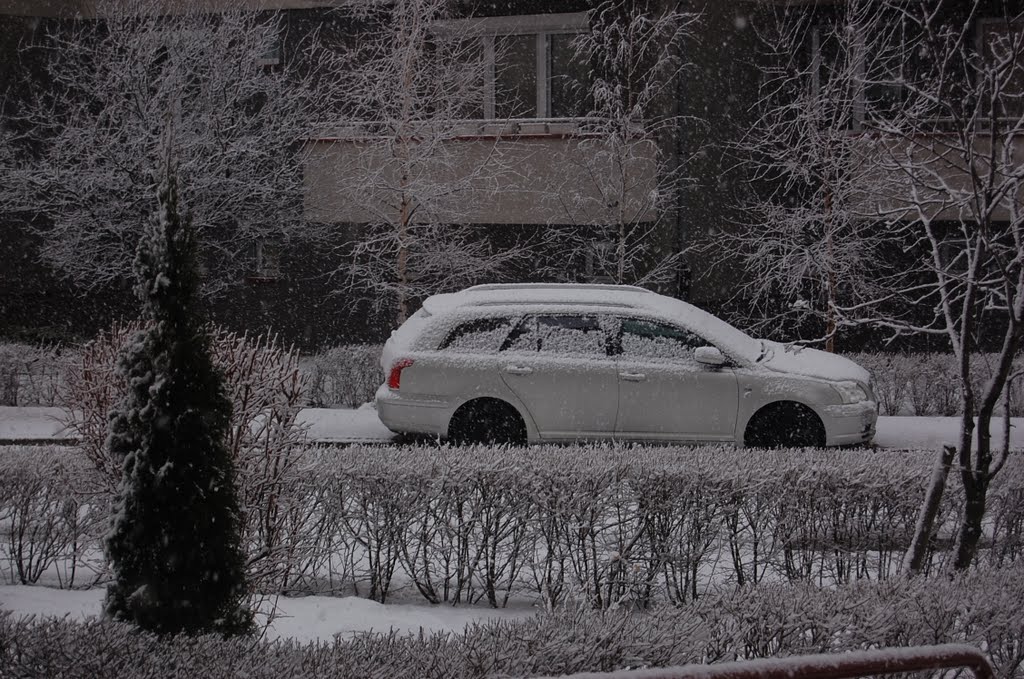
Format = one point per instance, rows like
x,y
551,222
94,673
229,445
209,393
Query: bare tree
x,y
807,241
89,134
952,153
415,169
918,153
626,175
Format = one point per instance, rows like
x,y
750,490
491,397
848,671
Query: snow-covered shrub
x,y
12,363
346,375
980,608
90,390
30,375
266,389
1005,509
933,388
50,519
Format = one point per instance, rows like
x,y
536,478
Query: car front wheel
x,y
785,425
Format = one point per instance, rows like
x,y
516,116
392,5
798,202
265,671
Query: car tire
x,y
785,425
487,421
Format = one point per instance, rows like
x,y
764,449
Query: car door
x,y
559,367
664,393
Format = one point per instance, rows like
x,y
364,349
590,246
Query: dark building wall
x,y
716,92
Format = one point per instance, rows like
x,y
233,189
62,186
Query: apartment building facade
x,y
533,111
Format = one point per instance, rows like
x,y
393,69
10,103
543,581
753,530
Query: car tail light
x,y
395,378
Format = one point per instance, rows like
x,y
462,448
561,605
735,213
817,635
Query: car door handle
x,y
518,369
633,377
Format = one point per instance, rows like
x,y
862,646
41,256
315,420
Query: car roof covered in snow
x,y
511,294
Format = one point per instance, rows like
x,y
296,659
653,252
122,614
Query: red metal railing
x,y
824,666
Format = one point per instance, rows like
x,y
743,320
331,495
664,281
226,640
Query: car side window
x,y
577,335
481,335
645,339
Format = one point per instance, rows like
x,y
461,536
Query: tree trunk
x,y
830,311
913,560
977,476
975,481
402,262
970,532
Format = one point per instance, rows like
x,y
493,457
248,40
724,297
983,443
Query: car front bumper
x,y
852,424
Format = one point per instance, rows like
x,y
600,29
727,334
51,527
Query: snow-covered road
x,y
328,425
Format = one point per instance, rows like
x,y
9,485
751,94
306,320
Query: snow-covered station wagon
x,y
555,362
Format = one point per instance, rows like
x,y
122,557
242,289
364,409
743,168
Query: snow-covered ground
x,y
362,425
929,433
31,424
308,618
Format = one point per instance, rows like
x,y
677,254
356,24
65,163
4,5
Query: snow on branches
x,y
90,138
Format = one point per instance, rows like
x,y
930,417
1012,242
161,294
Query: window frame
x,y
267,266
982,25
542,26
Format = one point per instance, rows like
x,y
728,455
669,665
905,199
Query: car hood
x,y
812,363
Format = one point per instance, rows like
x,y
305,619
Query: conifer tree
x,y
175,542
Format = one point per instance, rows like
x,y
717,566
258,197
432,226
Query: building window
x,y
268,260
569,78
837,75
860,75
531,64
1001,45
271,56
601,261
515,76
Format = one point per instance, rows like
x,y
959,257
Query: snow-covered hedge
x,y
348,375
31,375
345,376
981,609
603,525
925,384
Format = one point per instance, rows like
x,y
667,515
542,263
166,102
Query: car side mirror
x,y
709,356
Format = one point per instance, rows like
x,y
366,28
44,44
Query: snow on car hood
x,y
812,363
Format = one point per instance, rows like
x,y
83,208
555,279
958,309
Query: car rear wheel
x,y
488,421
785,425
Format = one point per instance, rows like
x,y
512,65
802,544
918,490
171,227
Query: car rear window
x,y
479,335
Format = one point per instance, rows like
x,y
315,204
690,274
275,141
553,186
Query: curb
x,y
319,443
39,442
